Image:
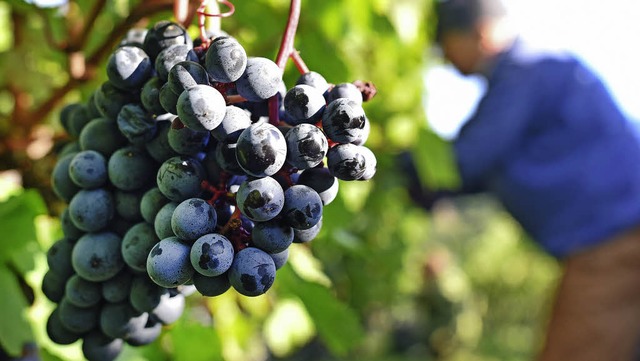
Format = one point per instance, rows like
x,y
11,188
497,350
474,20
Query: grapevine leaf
x,y
326,311
15,331
17,216
189,339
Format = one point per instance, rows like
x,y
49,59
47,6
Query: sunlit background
x,y
603,33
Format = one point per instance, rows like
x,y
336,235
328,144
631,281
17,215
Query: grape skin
x,y
260,199
252,272
169,264
306,146
179,178
226,59
302,207
136,245
193,218
129,67
211,255
96,256
92,209
261,150
201,107
260,80
304,104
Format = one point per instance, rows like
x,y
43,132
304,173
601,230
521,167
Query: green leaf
x,y
15,331
17,216
193,341
337,325
435,161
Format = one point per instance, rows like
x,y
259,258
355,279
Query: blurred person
x,y
548,140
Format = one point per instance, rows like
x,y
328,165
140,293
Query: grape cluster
x,y
176,181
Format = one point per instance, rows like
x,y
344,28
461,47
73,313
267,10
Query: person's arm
x,y
496,128
419,194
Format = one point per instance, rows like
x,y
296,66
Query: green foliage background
x,y
383,281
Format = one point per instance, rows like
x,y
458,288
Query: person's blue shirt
x,y
549,141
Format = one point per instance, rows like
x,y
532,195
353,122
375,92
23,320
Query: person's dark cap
x,y
464,14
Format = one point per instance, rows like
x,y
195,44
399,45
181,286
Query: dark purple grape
x,y
370,163
98,347
131,168
78,118
162,222
168,263
345,90
110,99
211,286
252,272
145,295
159,148
187,141
180,178
212,254
58,332
226,59
172,56
322,181
261,150
53,286
96,256
185,75
302,207
272,236
82,293
315,80
306,146
304,104
169,99
59,258
163,35
136,124
151,202
92,209
117,288
136,245
68,228
280,258
127,205
120,320
103,136
225,157
201,107
193,218
344,121
260,80
346,161
78,319
150,96
134,37
235,120
129,67
61,182
260,199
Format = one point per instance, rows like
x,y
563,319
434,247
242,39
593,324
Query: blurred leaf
x,y
435,161
337,325
193,341
15,330
17,216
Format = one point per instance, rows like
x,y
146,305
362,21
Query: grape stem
x,y
286,48
299,63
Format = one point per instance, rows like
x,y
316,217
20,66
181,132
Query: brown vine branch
x,y
286,47
80,42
